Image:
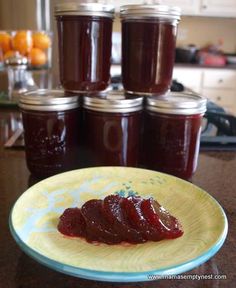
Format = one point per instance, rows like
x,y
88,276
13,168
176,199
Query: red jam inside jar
x,y
148,47
112,130
84,36
52,131
172,134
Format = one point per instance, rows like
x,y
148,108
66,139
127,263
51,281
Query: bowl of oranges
x,y
35,45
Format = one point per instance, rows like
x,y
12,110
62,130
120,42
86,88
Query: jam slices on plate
x,y
34,220
119,219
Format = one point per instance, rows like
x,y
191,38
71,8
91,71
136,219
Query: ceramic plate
x,y
34,219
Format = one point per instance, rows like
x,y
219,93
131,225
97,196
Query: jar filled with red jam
x,y
112,129
148,47
172,130
84,37
52,131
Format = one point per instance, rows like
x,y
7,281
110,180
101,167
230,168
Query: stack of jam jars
x,y
172,122
88,124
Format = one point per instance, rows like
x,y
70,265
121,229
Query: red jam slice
x,y
133,206
168,226
97,226
72,223
120,219
117,215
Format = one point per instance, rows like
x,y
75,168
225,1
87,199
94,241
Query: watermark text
x,y
188,277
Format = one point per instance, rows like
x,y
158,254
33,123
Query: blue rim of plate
x,y
122,276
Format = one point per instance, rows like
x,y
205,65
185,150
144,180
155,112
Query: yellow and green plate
x,y
34,219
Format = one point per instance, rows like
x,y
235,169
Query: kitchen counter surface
x,y
196,65
215,174
190,65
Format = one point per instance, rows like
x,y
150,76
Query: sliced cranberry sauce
x,y
117,215
133,206
161,219
97,226
72,223
116,219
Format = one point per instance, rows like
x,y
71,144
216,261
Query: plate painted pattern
x,y
34,219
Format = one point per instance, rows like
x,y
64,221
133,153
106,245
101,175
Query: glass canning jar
x,y
52,131
84,38
172,130
112,126
148,47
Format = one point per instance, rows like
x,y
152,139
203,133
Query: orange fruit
x,y
37,57
9,54
41,40
22,42
1,57
5,41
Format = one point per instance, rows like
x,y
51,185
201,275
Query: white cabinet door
x,y
218,8
190,78
225,98
119,3
188,7
219,85
219,78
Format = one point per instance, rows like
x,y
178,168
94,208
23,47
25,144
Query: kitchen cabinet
x,y
218,8
217,84
223,97
188,7
219,78
190,78
119,3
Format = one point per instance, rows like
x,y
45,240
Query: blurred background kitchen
x,y
205,53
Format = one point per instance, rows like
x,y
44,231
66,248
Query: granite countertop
x,y
196,65
192,65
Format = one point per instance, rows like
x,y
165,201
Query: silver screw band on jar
x,y
177,103
48,100
114,101
84,9
162,12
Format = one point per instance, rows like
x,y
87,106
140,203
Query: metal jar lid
x,y
48,100
150,11
85,9
177,103
113,101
